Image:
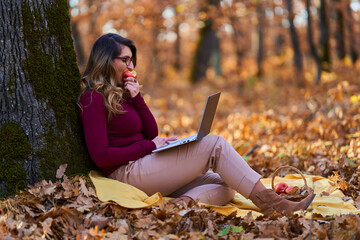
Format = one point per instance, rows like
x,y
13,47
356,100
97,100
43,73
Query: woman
x,y
121,133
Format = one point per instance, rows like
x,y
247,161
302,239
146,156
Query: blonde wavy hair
x,y
100,74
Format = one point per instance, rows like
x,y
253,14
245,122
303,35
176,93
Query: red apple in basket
x,y
292,190
280,187
132,74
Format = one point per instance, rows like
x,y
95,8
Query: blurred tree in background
x,y
235,40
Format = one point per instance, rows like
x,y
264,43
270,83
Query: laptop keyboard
x,y
183,140
187,139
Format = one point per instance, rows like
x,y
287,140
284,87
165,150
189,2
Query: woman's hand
x,y
160,141
132,86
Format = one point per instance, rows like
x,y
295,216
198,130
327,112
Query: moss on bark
x,y
14,149
55,80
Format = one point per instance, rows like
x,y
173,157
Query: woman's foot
x,y
269,202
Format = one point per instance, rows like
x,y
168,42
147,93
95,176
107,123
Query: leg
x,y
214,194
208,188
167,171
257,188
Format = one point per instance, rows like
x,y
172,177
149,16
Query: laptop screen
x,y
208,115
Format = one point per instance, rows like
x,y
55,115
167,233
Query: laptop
x,y
205,125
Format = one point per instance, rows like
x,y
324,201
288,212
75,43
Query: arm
x,y
94,119
150,128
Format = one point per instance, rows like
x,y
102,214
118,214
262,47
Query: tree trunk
x,y
279,44
340,31
261,23
77,44
156,72
39,127
208,49
313,50
177,61
324,37
295,45
352,43
237,39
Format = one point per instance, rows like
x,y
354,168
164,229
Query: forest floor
x,y
315,129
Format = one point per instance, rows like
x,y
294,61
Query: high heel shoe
x,y
269,202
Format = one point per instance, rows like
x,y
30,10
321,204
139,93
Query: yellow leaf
x,y
180,8
354,99
94,230
347,61
335,178
344,148
343,185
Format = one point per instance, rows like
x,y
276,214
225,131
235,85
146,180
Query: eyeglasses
x,y
127,60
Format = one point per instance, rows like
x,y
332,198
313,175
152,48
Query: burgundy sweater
x,y
127,137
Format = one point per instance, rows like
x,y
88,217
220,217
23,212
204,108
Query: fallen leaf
x,y
224,231
346,198
99,221
49,189
83,188
235,229
61,170
357,202
46,224
323,193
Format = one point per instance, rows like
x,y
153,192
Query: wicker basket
x,y
304,190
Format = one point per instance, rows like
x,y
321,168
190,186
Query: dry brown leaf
x,y
83,187
346,198
357,202
323,193
46,225
48,189
144,222
29,211
61,170
344,185
99,221
84,200
116,235
75,191
67,186
336,179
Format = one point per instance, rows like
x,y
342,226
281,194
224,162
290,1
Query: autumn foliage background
x,y
275,109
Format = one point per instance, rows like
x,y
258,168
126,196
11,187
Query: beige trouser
x,y
185,170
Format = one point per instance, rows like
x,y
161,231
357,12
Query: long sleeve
x,y
94,119
150,128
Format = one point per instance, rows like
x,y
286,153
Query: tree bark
x,y
352,43
279,44
340,31
39,86
295,45
77,44
261,25
208,49
237,38
313,50
177,60
324,37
